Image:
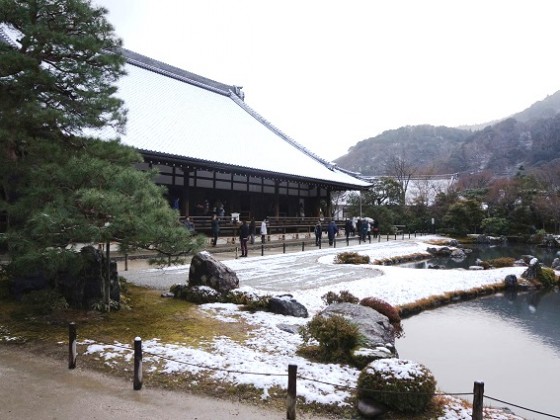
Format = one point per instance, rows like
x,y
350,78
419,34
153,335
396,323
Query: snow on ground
x,y
263,359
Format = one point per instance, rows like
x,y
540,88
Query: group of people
x,y
247,231
332,231
363,227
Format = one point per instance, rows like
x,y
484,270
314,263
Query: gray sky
x,y
330,74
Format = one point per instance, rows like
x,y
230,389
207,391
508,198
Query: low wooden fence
x,y
292,375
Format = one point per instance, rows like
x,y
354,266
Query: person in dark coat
x,y
375,228
244,233
348,227
252,230
318,233
364,230
332,230
215,227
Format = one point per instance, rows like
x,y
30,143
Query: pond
x,y
487,252
510,342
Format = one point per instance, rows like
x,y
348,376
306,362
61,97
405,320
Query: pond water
x,y
510,342
487,252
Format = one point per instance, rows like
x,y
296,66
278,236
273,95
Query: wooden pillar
x,y
276,199
329,203
185,198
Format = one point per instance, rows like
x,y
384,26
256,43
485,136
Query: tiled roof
x,y
181,114
177,113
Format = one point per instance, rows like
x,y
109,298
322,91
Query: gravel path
x,y
279,272
43,388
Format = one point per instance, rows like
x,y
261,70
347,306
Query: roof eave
x,y
160,158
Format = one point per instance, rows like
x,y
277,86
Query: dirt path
x,y
34,388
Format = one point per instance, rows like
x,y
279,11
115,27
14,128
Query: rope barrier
x,y
304,378
520,406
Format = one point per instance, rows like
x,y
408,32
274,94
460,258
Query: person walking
x,y
348,228
215,228
318,233
332,231
264,230
375,228
252,230
363,230
244,237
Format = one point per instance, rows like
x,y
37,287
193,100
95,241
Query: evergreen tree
x,y
60,187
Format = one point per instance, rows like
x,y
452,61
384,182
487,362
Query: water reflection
x,y
511,342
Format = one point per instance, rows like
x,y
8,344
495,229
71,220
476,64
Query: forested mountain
x,y
529,138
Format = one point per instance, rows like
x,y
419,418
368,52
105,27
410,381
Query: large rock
x,y
377,332
208,271
287,305
81,284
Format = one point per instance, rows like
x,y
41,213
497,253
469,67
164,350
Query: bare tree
x,y
402,170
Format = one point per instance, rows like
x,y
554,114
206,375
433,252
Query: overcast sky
x,y
330,74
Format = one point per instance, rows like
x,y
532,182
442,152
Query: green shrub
x,y
401,385
495,226
385,308
335,336
250,300
351,258
344,296
547,277
45,301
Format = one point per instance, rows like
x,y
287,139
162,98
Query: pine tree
x,y
60,187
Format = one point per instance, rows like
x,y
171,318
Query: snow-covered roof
x,y
181,115
177,113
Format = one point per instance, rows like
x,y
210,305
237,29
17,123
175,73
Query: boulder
x,y
550,241
443,251
533,271
208,271
287,305
511,281
378,334
370,409
458,254
556,264
81,285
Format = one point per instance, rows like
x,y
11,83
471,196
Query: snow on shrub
x,y
399,384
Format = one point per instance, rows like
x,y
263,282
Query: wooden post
x,y
235,252
283,247
262,250
478,401
125,262
291,401
303,245
108,279
72,345
137,364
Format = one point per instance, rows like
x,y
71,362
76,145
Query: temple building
x,y
215,153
